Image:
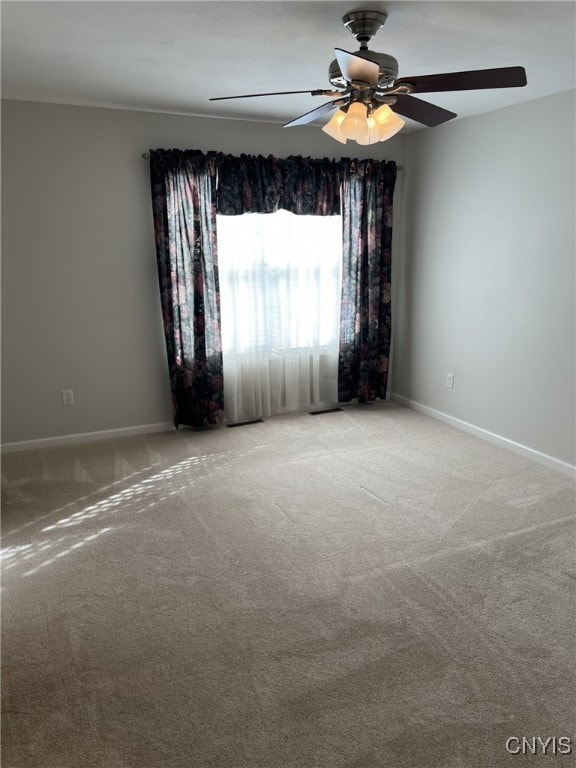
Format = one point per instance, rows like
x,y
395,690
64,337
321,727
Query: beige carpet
x,y
361,589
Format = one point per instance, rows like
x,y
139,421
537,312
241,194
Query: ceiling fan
x,y
369,96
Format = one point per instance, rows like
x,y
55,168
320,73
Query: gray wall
x,y
80,304
485,279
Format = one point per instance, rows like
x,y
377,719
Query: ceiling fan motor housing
x,y
387,66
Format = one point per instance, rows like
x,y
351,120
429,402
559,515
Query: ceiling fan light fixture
x,y
355,126
332,128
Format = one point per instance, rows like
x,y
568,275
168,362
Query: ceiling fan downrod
x,y
364,25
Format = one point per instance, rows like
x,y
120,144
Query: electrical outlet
x,y
450,380
67,397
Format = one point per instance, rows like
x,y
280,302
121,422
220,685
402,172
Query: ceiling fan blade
x,y
316,92
318,112
503,77
355,67
421,111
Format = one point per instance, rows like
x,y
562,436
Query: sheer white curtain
x,y
280,283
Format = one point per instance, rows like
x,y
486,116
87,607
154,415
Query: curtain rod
x,y
146,156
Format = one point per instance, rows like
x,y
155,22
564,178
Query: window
x,y
280,284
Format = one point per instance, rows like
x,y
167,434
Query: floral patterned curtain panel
x,y
184,206
190,187
365,321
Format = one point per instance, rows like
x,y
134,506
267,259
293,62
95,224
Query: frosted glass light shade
x,y
373,135
354,125
332,128
387,122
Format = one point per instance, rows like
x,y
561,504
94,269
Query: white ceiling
x,y
172,56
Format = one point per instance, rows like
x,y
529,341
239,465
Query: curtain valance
x,y
258,184
265,184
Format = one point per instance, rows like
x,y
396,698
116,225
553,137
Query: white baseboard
x,y
86,437
523,450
